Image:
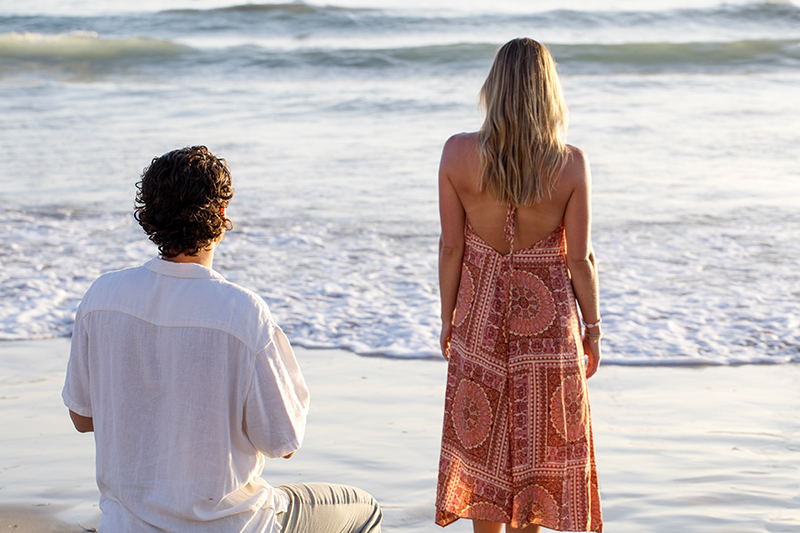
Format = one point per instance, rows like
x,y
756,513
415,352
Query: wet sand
x,y
35,518
700,449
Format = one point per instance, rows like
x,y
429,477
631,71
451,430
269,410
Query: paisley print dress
x,y
517,442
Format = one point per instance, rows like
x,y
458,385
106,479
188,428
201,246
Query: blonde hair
x,y
522,150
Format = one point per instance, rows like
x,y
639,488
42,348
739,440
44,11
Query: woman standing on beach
x,y
517,447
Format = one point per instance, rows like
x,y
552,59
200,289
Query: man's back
x,y
191,381
188,383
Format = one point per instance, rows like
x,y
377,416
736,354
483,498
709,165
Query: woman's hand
x,y
444,339
591,347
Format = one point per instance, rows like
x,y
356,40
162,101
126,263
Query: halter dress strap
x,y
508,233
508,230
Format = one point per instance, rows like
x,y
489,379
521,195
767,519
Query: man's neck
x,y
204,257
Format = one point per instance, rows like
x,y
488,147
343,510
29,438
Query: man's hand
x,y
83,424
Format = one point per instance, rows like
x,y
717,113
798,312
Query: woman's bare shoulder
x,y
576,172
461,143
577,157
460,152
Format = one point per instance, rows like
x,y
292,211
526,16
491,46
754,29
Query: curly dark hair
x,y
180,198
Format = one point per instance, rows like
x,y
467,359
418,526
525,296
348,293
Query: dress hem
x,y
445,518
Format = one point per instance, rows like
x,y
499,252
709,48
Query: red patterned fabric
x,y
517,442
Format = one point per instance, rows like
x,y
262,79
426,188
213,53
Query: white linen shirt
x,y
189,383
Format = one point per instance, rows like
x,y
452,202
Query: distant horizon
x,y
95,7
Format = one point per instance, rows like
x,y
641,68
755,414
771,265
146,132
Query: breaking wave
x,y
81,45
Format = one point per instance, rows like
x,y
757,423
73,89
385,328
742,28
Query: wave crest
x,y
573,58
295,8
82,46
678,56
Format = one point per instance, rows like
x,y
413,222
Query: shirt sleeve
x,y
277,402
76,393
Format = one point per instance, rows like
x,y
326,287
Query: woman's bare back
x,y
487,217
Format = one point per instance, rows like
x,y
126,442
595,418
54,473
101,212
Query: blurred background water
x,y
332,118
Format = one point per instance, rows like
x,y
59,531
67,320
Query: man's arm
x,y
277,401
83,424
76,394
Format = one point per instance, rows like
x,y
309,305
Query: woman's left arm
x,y
580,255
451,241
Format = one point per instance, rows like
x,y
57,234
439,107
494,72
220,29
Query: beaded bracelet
x,y
594,336
599,319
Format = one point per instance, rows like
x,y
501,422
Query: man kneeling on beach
x,y
187,382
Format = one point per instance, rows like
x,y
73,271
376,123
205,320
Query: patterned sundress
x,y
517,443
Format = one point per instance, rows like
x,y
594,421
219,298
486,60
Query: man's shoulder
x,y
113,281
213,286
237,311
238,299
209,302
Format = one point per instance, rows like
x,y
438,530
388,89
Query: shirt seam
x,y
219,328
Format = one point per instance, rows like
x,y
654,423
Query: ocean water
x,y
332,118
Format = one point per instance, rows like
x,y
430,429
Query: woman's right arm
x,y
580,255
451,241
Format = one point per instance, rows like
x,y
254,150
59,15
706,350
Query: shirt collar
x,y
181,270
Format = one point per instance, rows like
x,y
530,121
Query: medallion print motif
x,y
472,416
536,505
487,511
517,445
532,305
567,409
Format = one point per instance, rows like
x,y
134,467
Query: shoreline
x,y
709,448
310,347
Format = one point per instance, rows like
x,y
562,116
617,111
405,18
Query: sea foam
x,y
702,290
